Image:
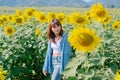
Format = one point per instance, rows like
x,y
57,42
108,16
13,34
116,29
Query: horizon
x,y
87,0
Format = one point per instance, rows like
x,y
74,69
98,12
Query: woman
x,y
58,51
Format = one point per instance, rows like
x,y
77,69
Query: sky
x,y
87,0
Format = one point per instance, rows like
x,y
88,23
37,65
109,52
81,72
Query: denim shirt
x,y
66,52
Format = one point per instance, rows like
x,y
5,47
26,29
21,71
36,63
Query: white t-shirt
x,y
56,46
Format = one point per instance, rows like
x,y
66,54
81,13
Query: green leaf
x,y
95,61
114,67
15,71
25,78
80,71
89,74
96,78
12,56
72,78
26,70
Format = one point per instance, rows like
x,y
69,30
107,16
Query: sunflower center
x,y
88,14
116,26
10,18
30,13
4,19
19,20
19,13
80,20
86,39
42,18
9,30
101,13
60,18
52,15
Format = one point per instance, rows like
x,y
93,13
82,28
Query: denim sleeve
x,y
68,48
46,62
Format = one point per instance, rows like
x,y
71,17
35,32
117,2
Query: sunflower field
x,y
93,35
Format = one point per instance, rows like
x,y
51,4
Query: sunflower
x,y
80,20
5,18
2,77
61,17
99,12
9,30
116,25
77,19
29,13
12,18
19,13
50,16
19,20
38,32
41,17
83,39
117,77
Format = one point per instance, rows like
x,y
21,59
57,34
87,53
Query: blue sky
x,y
87,0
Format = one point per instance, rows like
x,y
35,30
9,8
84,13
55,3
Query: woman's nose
x,y
56,28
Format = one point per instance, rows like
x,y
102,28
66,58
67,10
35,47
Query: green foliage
x,y
22,55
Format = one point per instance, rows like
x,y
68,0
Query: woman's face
x,y
56,29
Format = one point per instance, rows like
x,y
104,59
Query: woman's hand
x,y
45,73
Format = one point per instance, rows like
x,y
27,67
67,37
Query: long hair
x,y
50,34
